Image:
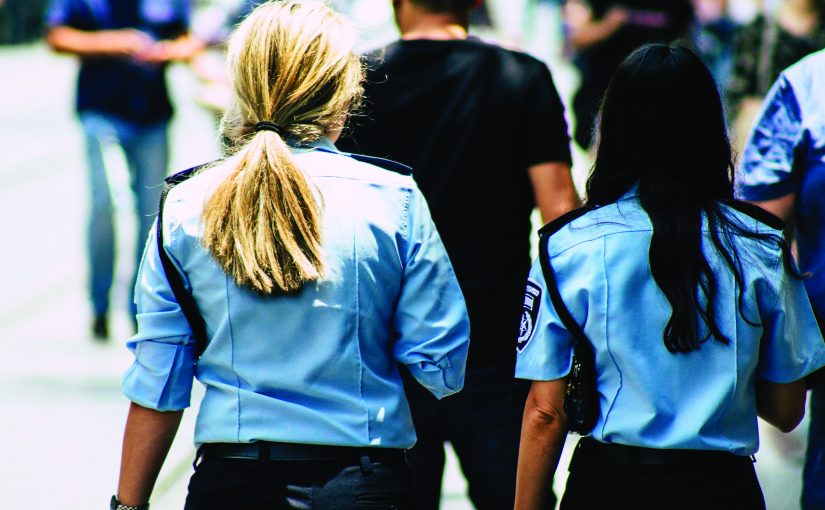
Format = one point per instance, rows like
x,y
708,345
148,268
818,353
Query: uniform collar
x,y
632,192
323,144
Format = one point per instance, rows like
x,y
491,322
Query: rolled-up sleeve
x,y
792,346
162,374
433,331
768,161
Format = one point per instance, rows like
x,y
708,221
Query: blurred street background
x,y
62,409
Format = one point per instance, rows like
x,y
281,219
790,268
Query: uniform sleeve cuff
x,y
441,379
161,376
541,371
794,372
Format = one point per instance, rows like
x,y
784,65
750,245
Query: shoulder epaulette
x,y
184,175
758,213
386,164
568,217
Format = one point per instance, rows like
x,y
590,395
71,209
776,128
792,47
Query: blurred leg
x,y
99,133
485,426
147,153
813,481
427,456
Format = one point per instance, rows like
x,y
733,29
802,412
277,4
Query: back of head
x,y
662,126
293,66
292,63
446,6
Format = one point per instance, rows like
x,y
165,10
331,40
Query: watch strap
x,y
115,504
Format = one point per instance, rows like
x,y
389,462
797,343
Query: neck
x,y
416,23
797,17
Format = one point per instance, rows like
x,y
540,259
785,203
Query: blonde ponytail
x,y
293,66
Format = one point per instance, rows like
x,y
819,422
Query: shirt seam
x,y
777,268
606,337
358,339
231,336
405,226
594,238
718,422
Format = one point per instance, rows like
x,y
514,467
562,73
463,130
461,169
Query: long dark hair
x,y
662,126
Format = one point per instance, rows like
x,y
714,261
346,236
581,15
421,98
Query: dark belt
x,y
265,450
614,454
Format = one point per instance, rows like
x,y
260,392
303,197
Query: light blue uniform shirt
x,y
320,366
648,396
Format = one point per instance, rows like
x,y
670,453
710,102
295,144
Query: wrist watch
x,y
114,504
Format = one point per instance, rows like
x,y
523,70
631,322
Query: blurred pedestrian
x,y
484,130
212,24
713,34
601,33
123,104
775,40
783,170
698,320
21,21
314,273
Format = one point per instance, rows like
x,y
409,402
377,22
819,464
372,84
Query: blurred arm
x,y
543,431
112,43
781,405
586,32
782,207
181,49
553,189
146,442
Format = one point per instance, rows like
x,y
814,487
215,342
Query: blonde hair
x,y
293,64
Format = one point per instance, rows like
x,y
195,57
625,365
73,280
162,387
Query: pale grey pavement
x,y
62,410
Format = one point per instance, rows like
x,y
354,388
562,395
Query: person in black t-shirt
x,y
484,130
603,33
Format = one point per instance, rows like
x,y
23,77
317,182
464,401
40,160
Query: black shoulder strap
x,y
581,400
757,213
568,217
550,276
184,298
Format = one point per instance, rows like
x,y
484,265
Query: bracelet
x,y
115,504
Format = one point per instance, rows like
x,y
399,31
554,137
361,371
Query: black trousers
x,y
247,484
483,424
711,484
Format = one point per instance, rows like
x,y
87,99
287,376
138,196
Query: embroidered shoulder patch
x,y
529,314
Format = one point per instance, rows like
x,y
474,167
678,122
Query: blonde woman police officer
x,y
316,274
